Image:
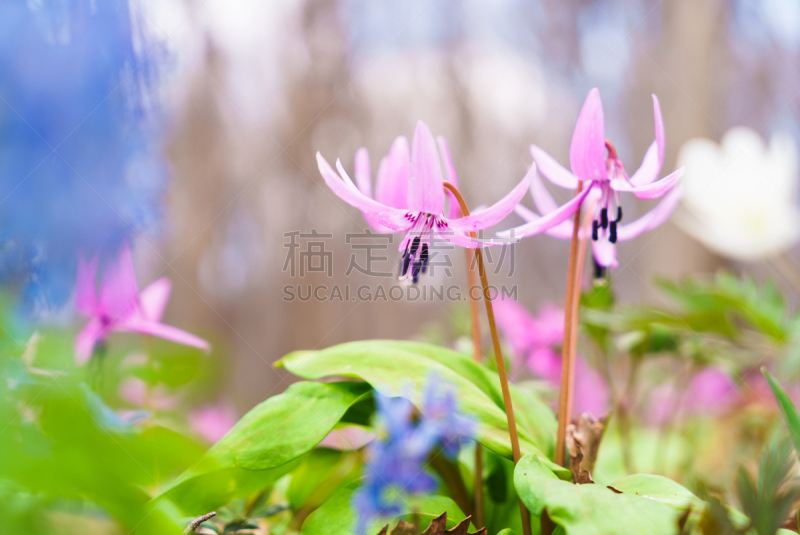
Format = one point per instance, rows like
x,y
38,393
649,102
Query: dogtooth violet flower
x,y
396,465
594,163
119,306
422,219
391,181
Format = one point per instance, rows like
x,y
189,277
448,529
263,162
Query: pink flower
x,y
391,181
352,437
120,307
135,391
422,219
594,161
213,422
711,391
537,339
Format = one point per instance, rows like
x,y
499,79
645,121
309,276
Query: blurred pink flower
x,y
213,422
711,391
352,437
423,218
594,162
537,339
120,307
135,391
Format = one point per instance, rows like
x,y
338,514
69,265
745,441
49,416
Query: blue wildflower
x,y
442,419
80,166
397,458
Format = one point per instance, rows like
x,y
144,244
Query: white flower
x,y
740,196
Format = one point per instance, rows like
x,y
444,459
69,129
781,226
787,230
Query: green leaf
x,y
507,531
320,474
260,448
592,509
337,517
402,369
789,411
660,488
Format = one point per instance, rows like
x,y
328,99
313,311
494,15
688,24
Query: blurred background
x,y
235,99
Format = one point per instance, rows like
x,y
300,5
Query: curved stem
x,y
498,354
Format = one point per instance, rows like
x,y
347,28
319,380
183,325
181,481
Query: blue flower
x,y
397,458
80,166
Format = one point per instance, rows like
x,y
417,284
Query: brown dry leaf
x,y
437,527
583,443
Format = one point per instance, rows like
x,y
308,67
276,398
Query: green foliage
x,y
264,444
788,408
769,499
581,509
726,307
321,473
65,442
337,516
398,368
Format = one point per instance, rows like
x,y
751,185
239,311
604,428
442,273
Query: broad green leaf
x,y
258,449
507,531
210,490
591,509
532,414
394,370
660,488
337,517
789,410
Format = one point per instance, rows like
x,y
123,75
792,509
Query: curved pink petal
x,y
453,208
425,190
364,184
498,211
85,286
457,237
562,231
654,157
541,197
153,299
118,294
653,218
87,339
548,221
362,172
605,252
649,191
391,183
344,188
553,171
587,152
167,332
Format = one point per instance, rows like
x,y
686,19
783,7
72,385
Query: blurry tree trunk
x,y
688,73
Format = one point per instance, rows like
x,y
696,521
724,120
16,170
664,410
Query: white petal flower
x,y
741,196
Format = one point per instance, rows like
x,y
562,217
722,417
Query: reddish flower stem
x,y
571,304
501,366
